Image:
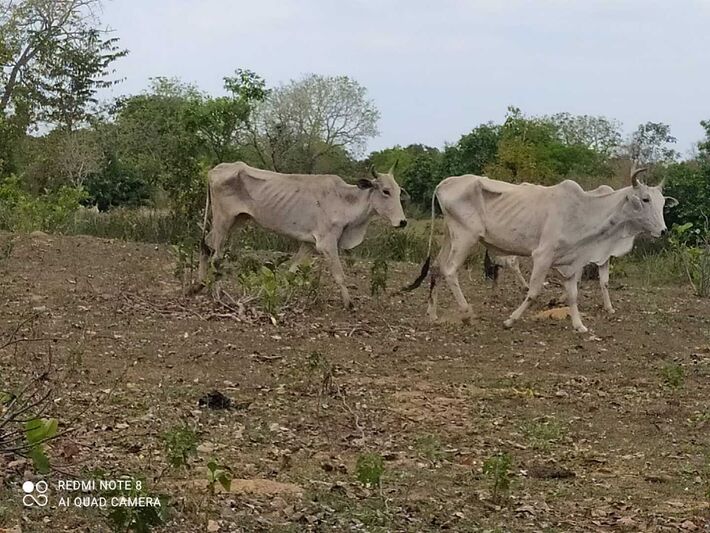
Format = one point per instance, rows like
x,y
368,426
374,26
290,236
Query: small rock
x,y
278,503
212,526
205,447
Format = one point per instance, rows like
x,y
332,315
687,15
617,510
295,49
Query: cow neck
x,y
613,223
362,207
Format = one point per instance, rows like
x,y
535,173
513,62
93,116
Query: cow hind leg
x,y
434,277
460,246
329,250
571,288
214,245
541,265
604,286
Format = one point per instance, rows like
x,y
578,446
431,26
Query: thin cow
x,y
561,227
492,263
320,211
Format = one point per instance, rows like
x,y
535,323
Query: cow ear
x,y
670,201
365,183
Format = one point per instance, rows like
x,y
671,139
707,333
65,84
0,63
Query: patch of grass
x,y
180,445
430,448
673,375
369,469
378,277
699,419
705,475
497,470
542,432
275,289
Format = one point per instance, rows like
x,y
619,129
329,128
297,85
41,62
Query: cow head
x,y
645,204
386,196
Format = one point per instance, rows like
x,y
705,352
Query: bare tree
x,y
304,120
78,155
649,144
597,133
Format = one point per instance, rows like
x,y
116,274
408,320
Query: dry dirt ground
x,y
597,436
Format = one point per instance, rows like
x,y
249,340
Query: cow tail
x,y
427,263
490,268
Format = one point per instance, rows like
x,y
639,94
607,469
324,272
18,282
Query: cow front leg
x,y
541,265
571,288
329,250
604,285
303,253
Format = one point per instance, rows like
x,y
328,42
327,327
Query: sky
x,y
436,69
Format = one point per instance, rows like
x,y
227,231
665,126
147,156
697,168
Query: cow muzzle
x,y
402,223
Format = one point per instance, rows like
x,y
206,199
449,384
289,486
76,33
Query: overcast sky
x,y
438,68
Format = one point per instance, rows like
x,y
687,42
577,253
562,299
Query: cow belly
x,y
286,227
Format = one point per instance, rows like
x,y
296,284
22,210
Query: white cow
x,y
561,227
493,263
320,211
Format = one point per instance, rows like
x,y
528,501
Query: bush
x,y
369,469
22,212
689,183
694,259
276,289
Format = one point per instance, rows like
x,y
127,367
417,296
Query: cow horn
x,y
634,179
394,167
373,171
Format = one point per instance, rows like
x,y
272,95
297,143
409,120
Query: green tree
x,y
221,123
689,183
155,140
422,176
535,149
54,58
473,151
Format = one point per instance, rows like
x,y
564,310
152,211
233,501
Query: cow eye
x,y
646,200
386,192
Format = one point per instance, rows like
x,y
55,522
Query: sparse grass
x,y
673,375
180,445
705,475
275,289
543,432
497,470
699,419
369,469
378,277
430,448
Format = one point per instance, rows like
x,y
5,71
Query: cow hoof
x,y
581,329
611,311
350,306
508,323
